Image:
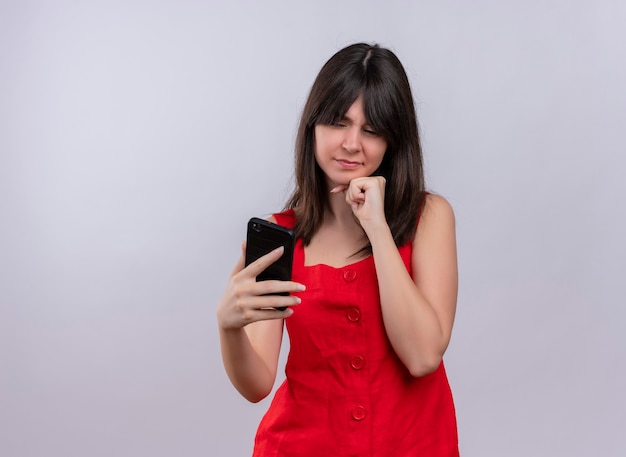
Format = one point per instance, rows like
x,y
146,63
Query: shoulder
x,y
436,217
434,254
437,206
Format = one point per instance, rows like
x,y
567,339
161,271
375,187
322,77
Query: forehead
x,y
343,102
355,112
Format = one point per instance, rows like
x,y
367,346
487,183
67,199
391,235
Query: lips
x,y
347,164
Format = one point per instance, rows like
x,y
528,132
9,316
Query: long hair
x,y
377,75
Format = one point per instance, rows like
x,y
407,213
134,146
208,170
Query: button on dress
x,y
346,392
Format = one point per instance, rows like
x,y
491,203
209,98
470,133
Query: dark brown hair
x,y
377,75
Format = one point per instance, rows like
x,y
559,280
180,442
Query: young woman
x,y
373,293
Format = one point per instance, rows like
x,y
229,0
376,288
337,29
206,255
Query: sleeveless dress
x,y
346,392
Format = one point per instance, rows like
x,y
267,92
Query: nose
x,y
352,139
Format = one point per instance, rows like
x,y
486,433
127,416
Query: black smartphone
x,y
265,236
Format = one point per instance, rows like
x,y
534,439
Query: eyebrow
x,y
345,117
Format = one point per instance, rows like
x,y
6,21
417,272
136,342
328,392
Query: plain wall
x,y
138,137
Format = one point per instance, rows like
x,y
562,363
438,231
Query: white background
x,y
137,138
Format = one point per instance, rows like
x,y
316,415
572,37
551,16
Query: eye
x,y
370,132
339,124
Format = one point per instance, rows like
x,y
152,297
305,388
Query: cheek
x,y
318,142
381,150
322,145
317,147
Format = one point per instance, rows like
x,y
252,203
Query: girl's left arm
x,y
418,313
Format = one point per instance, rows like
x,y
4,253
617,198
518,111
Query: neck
x,y
339,213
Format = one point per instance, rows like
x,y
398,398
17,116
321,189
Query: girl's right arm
x,y
251,329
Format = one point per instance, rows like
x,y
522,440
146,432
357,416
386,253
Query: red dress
x,y
346,393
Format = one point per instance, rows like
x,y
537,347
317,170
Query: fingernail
x,y
279,249
336,189
301,287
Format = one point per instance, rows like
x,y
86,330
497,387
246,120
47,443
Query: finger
x,y
274,287
338,189
267,314
355,195
260,264
257,302
241,263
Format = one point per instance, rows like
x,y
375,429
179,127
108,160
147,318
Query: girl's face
x,y
350,148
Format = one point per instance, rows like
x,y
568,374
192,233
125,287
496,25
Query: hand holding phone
x,y
262,238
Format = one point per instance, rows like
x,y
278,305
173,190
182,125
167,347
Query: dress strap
x,y
286,218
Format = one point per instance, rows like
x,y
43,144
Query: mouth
x,y
347,164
